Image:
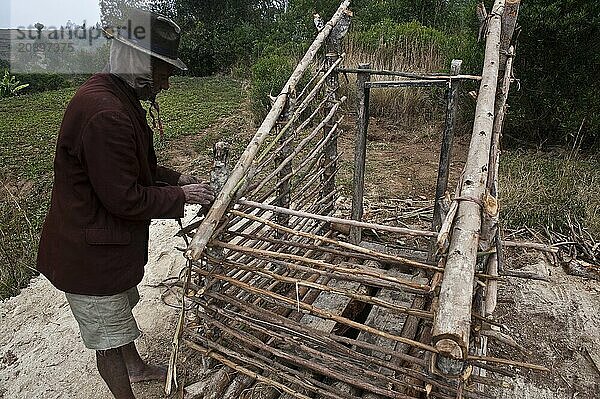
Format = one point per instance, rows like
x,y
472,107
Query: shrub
x,y
18,236
10,86
39,82
269,74
409,47
557,56
543,189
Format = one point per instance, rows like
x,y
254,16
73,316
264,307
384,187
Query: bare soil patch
x,y
401,162
558,322
41,353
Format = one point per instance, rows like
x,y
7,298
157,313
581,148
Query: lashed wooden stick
x,y
508,362
359,249
346,222
300,109
321,287
279,326
322,265
321,362
318,312
236,367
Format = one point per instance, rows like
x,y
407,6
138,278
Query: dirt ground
x,y
558,322
41,353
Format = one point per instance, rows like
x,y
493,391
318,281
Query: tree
x,y
558,54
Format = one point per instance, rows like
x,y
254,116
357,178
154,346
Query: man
x,y
107,187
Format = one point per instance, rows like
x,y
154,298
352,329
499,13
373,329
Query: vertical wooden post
x,y
509,23
330,151
284,191
490,225
220,172
218,176
446,148
360,153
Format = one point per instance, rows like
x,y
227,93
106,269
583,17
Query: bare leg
x,y
138,370
113,371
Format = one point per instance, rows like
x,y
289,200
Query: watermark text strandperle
x,y
78,33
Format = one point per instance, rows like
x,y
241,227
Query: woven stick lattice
x,y
277,295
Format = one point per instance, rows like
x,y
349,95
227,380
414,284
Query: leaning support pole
x,y
491,229
452,323
209,225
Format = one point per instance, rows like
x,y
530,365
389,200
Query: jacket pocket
x,y
107,237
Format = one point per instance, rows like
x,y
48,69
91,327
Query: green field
x,y
29,126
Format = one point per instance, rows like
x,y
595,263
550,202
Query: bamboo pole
x,y
208,226
452,323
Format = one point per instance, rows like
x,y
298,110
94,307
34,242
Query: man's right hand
x,y
198,194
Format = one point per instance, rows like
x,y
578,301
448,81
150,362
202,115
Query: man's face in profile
x,y
161,72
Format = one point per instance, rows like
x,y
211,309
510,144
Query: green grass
x,y
29,126
194,104
543,189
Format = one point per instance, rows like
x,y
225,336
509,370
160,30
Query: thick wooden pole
x,y
360,152
490,225
210,223
452,323
218,176
509,23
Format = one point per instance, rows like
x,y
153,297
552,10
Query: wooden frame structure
x,y
290,308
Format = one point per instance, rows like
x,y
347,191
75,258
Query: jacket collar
x,y
127,95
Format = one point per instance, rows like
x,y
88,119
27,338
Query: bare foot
x,y
149,373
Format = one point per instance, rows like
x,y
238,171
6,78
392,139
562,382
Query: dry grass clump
x,y
408,47
544,189
18,236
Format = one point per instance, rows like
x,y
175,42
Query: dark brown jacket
x,y
95,236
